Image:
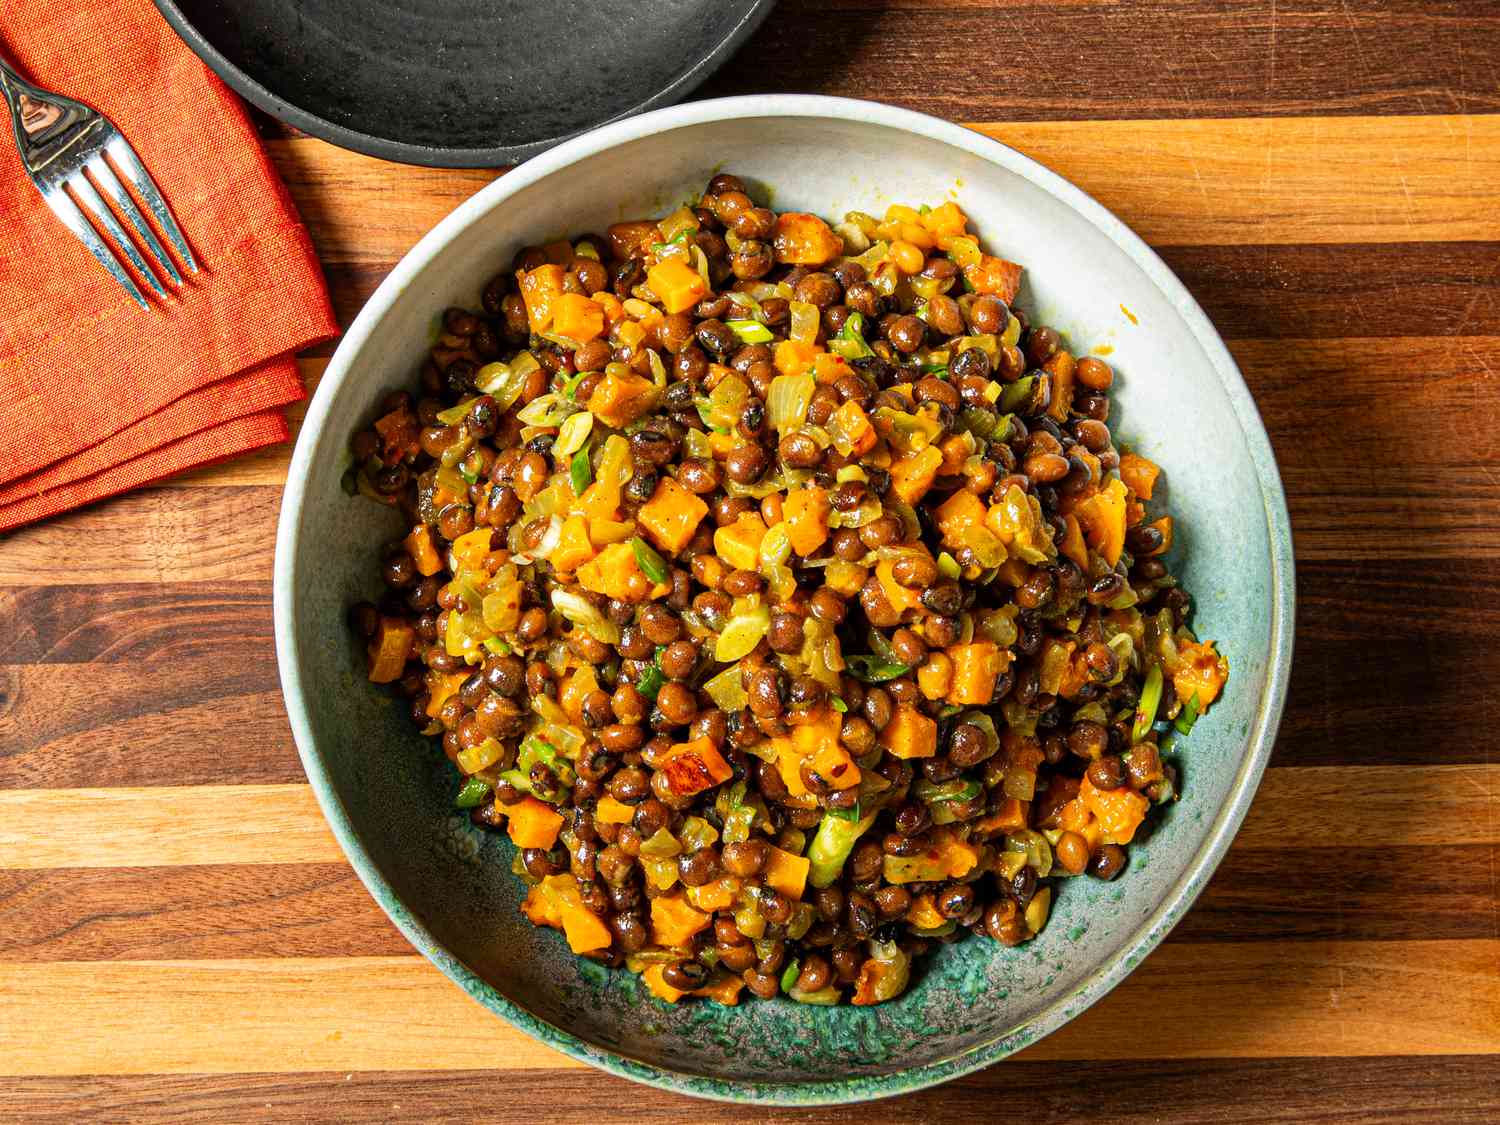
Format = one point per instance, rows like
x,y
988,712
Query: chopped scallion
x,y
472,795
840,706
652,565
790,974
1187,716
580,472
750,331
651,682
1145,714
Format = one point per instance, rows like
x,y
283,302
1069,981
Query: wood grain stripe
x,y
1229,181
1045,59
229,911
398,1013
225,824
1457,1089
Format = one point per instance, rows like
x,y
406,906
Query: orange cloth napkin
x,y
97,395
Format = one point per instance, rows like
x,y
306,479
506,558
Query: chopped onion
x,y
584,614
727,691
742,634
547,410
804,322
573,433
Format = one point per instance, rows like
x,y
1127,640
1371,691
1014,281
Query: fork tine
x,y
105,177
65,209
106,218
130,164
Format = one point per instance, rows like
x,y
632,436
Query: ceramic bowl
x,y
1180,401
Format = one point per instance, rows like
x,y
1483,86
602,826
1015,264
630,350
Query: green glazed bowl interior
x,y
1180,400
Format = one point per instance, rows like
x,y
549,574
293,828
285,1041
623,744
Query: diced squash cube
x,y
958,515
912,474
1119,811
945,219
738,544
794,357
540,289
716,894
611,811
574,548
1163,525
442,686
575,689
389,648
615,573
901,598
539,909
533,824
619,400
1073,545
801,239
975,668
830,368
584,929
692,767
995,276
1201,671
851,423
806,511
676,284
786,872
672,515
910,734
1103,519
420,547
577,317
657,984
1139,474
923,913
674,921
724,989
815,736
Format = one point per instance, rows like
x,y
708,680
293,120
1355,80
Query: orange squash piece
x,y
854,423
619,400
1103,518
815,741
996,276
946,219
923,913
793,357
975,669
539,909
913,473
692,767
787,873
614,573
675,922
672,515
723,989
738,544
533,824
441,686
1201,671
676,284
806,512
902,598
611,811
801,239
389,648
574,548
958,514
540,288
1139,474
584,929
1118,811
1073,545
420,547
1060,367
577,317
910,734
716,894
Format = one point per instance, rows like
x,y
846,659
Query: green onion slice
x,y
1145,714
580,472
652,565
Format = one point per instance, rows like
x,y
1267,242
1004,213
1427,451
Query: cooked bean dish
x,y
777,587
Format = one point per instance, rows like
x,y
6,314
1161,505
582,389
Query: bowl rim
x,y
254,90
1258,740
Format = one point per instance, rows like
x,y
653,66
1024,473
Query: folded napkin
x,y
97,395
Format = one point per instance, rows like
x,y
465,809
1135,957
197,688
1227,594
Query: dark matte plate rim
x,y
439,156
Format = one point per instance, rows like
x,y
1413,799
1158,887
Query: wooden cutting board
x,y
180,937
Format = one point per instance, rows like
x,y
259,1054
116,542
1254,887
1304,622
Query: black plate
x,y
460,83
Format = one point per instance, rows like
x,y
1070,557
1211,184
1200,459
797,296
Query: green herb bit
x,y
580,472
947,565
844,814
1145,714
473,794
651,682
840,706
790,974
652,565
873,669
750,331
1188,716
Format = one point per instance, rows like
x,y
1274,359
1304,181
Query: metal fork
x,y
62,139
